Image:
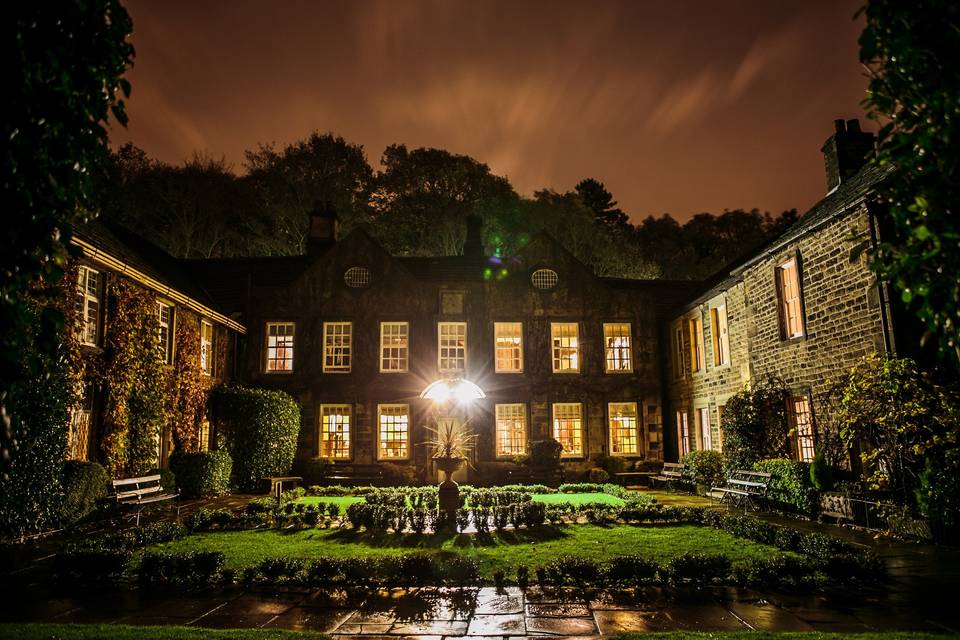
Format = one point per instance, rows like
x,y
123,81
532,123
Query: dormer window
x,y
544,279
357,277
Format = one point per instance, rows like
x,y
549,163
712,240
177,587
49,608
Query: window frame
x,y
497,430
292,348
85,297
704,437
380,408
683,433
555,432
556,352
679,359
607,349
695,331
440,347
405,349
797,439
637,428
347,355
207,351
517,348
720,335
793,264
349,429
167,330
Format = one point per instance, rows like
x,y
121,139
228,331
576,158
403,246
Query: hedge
x,y
704,467
203,473
790,484
83,484
260,429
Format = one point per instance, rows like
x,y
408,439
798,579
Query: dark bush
x,y
84,483
544,453
168,479
311,515
532,514
704,467
574,571
278,570
260,429
191,567
598,475
698,567
323,572
631,570
821,473
458,571
203,473
414,569
400,475
779,570
91,565
209,520
314,471
463,519
790,484
611,464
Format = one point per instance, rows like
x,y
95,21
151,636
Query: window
x,y
88,306
394,346
544,279
624,431
394,433
80,421
618,356
683,433
279,347
357,277
452,346
801,426
678,364
565,337
695,328
703,428
206,347
788,295
568,428
203,435
718,331
337,345
165,320
508,346
334,440
511,429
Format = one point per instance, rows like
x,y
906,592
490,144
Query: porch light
x,y
459,390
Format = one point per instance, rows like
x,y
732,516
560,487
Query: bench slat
x,y
141,480
747,483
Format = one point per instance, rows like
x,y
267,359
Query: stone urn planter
x,y
449,491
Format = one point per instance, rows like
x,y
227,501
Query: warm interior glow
x,y
461,391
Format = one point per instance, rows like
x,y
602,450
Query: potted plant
x,y
450,442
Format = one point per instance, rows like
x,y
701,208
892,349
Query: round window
x,y
544,279
357,277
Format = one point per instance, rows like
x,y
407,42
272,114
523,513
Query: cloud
x,y
686,100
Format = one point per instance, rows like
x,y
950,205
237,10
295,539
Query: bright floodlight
x,y
462,391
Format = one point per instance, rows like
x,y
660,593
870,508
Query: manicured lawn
x,y
577,498
503,551
342,501
125,632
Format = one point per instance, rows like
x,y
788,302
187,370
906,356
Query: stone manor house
x,y
608,367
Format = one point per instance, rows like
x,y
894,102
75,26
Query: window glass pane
x,y
508,339
280,346
334,431
624,434
568,427
206,347
695,327
165,330
394,346
337,345
618,353
511,429
789,290
703,428
565,337
452,346
394,422
683,433
801,422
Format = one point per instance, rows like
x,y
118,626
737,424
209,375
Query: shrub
x,y
458,571
209,519
523,576
401,475
313,470
938,496
578,571
532,514
704,467
544,453
631,570
598,475
323,571
83,484
821,473
414,569
463,519
279,570
755,424
698,567
203,473
611,464
790,484
191,567
80,565
260,429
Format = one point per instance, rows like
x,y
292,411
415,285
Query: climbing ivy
x,y
190,385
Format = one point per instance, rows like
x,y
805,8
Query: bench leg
x,y
138,514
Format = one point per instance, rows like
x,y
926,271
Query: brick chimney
x,y
324,228
473,244
845,152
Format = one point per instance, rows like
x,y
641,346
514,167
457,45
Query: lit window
x,y
695,328
788,295
568,428
508,341
703,428
394,433
357,277
565,337
335,431
165,330
279,347
206,347
618,356
544,279
683,433
394,346
678,363
718,330
511,429
337,345
80,421
88,305
452,346
624,431
203,435
801,426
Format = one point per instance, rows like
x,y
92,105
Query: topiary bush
x,y
821,473
544,453
260,429
83,484
204,473
704,467
790,484
598,475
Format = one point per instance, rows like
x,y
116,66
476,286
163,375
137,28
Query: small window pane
x,y
568,428
394,420
206,347
165,330
394,346
618,354
508,339
452,346
335,431
280,347
511,429
565,337
624,429
337,346
801,423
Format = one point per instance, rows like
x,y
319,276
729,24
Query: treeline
x,y
415,204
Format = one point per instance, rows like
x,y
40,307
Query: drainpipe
x,y
885,313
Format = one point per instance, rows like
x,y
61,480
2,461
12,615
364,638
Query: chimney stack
x,y
845,152
324,228
473,245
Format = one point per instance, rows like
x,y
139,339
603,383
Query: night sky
x,y
677,107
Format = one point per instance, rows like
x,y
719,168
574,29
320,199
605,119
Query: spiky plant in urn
x,y
450,442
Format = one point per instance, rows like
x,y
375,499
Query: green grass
x,y
502,551
342,501
44,631
576,498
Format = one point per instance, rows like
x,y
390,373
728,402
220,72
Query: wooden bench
x,y
355,475
743,488
276,483
641,478
141,492
671,472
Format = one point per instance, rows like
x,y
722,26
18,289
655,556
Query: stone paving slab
x,y
505,624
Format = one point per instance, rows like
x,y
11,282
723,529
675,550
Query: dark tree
x,y
911,49
64,68
596,197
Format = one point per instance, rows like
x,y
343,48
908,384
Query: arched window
x,y
544,279
357,277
